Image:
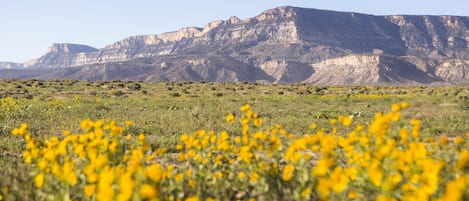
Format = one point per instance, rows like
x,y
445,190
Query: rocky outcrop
x,y
283,71
64,55
369,69
455,71
282,45
435,36
10,65
354,69
66,48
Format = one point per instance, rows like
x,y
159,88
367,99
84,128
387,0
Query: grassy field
x,y
165,111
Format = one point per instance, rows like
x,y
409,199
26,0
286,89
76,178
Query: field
x,y
124,140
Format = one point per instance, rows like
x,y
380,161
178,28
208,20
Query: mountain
x,y
281,45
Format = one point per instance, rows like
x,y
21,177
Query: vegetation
x,y
191,141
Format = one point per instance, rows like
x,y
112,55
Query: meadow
x,y
122,140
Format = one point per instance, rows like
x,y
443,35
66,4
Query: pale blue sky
x,y
29,27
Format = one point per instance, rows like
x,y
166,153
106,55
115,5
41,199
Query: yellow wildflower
x,y
192,198
237,140
306,193
429,183
147,191
230,118
128,137
347,121
395,107
66,132
254,177
352,194
321,167
328,144
241,175
89,190
443,140
463,161
50,155
340,180
257,122
396,178
404,105
86,125
384,198
179,177
154,172
245,154
42,164
39,180
141,137
375,174
189,172
105,180
245,107
192,183
191,153
313,126
459,140
218,175
415,127
72,179
454,190
113,146
288,171
351,173
323,187
92,177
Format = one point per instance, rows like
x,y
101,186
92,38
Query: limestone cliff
x,y
64,55
369,69
10,65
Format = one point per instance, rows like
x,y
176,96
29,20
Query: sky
x,y
29,27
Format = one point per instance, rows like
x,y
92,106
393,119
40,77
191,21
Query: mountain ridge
x,y
284,44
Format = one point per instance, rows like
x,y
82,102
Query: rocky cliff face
x,y
10,65
284,44
365,69
64,55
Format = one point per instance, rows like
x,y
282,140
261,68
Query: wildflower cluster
x,y
384,161
6,104
8,110
99,164
388,159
